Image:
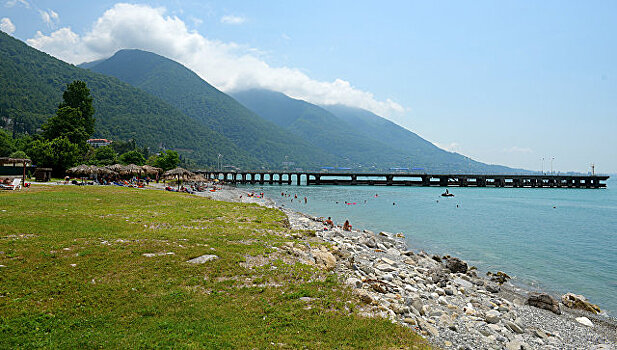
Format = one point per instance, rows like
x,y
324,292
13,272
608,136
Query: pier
x,y
404,179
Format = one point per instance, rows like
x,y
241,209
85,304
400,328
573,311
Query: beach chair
x,y
16,185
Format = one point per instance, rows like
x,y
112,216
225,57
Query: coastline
x,y
452,309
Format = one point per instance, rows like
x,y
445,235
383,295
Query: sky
x,y
527,84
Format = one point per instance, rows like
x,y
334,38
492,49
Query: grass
x,y
75,276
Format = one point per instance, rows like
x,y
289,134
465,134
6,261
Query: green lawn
x,y
75,276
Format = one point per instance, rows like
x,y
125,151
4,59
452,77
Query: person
x,y
305,200
329,222
346,226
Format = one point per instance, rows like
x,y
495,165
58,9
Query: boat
x,y
447,194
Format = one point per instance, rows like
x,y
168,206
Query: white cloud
x,y
228,66
285,36
517,149
7,26
50,18
229,19
12,3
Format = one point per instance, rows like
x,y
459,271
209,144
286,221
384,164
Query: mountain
x,y
359,135
32,84
423,153
185,90
322,129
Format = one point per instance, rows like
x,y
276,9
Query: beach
x,y
442,297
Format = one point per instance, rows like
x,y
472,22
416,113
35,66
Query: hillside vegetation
x,y
32,85
185,90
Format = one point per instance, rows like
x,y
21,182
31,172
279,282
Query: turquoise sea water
x,y
557,240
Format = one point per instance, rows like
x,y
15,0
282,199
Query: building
x,y
96,143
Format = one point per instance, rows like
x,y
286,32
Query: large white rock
x,y
584,321
203,259
492,316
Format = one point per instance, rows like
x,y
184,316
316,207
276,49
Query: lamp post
x,y
552,159
219,163
542,165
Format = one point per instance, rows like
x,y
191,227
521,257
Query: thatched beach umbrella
x,y
80,170
104,171
178,172
133,169
119,168
150,170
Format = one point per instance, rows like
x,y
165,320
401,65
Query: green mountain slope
x,y
32,84
322,129
422,152
359,135
199,100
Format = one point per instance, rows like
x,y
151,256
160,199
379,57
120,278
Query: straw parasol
x,y
80,170
116,167
178,172
150,170
133,169
106,171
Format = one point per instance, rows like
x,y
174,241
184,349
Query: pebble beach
x,y
441,297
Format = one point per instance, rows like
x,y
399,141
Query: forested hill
x,y
423,152
32,83
322,129
199,100
359,135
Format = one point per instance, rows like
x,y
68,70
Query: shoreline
x,y
451,309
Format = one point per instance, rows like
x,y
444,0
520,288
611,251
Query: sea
x,y
553,240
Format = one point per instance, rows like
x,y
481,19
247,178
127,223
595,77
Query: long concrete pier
x,y
397,179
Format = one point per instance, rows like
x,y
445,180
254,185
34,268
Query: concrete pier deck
x,y
404,179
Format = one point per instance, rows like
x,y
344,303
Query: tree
x,y
77,96
167,160
68,122
132,157
19,155
105,156
7,145
59,154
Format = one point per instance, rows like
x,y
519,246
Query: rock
x,y
354,282
463,283
543,301
385,268
410,321
151,255
202,259
417,305
584,321
575,301
499,277
378,287
364,296
514,327
540,334
393,252
492,287
514,345
324,259
456,265
492,316
428,328
439,275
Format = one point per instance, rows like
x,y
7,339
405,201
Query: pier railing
x,y
397,179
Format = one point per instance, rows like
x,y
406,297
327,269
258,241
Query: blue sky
x,y
502,82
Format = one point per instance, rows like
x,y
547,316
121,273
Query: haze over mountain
x,y
359,135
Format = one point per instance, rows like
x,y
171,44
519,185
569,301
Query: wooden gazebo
x,y
14,162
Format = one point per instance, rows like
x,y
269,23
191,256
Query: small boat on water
x,y
447,194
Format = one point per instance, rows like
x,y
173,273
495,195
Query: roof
x,y
5,160
98,140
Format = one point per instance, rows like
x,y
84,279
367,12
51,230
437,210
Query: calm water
x,y
569,248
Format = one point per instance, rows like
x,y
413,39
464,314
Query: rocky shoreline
x,y
441,297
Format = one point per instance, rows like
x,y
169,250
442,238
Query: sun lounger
x,y
16,185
